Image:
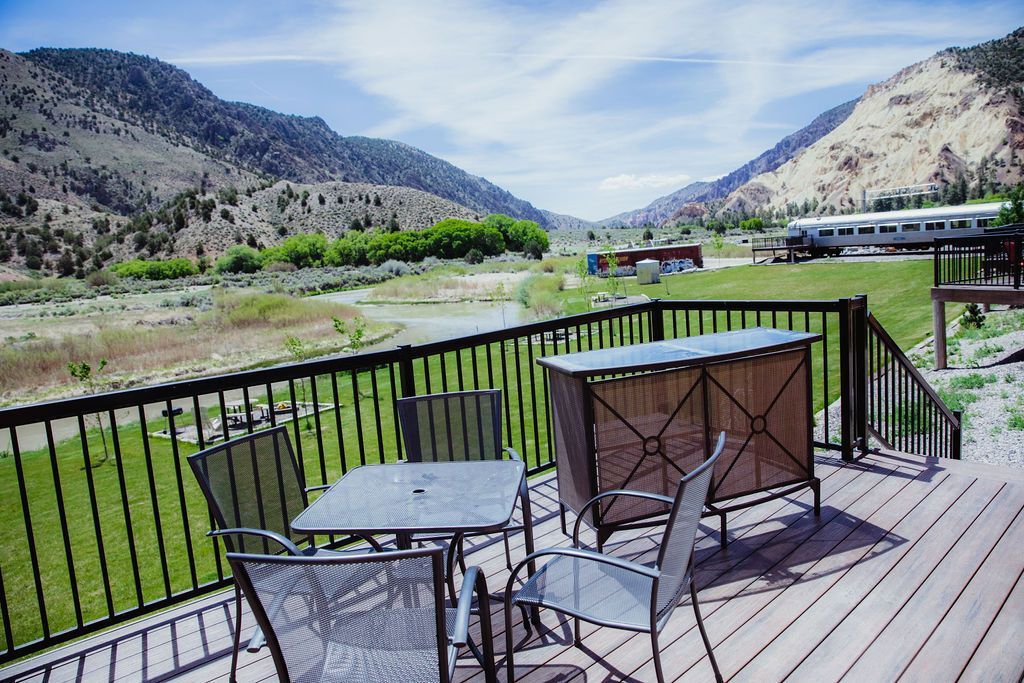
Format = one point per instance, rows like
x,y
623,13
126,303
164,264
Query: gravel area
x,y
985,379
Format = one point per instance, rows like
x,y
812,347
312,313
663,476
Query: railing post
x,y
1018,259
957,437
860,370
405,372
657,320
846,397
936,250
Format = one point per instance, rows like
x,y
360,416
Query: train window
x,y
960,224
910,227
826,232
845,231
887,228
984,222
935,225
866,230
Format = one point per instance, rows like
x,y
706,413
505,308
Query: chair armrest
x,y
634,567
513,454
608,494
473,582
286,543
321,487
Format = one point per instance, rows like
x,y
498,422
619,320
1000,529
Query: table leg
x,y
531,566
403,541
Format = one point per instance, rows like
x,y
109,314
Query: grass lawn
x,y
147,483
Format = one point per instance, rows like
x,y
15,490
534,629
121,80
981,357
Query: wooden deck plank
x,y
1000,656
826,566
900,640
792,558
840,649
778,658
978,604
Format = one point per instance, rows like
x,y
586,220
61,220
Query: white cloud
x,y
629,181
527,96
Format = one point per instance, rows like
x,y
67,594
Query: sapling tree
x,y
82,371
972,316
300,352
356,335
583,273
717,244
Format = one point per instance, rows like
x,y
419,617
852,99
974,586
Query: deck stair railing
x,y
904,412
102,522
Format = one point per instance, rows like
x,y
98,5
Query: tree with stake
x,y
300,352
82,371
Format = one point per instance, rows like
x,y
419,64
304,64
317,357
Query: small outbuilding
x,y
648,272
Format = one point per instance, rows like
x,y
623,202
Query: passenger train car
x,y
911,228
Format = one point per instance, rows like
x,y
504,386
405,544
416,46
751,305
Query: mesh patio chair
x,y
254,489
611,591
455,427
394,624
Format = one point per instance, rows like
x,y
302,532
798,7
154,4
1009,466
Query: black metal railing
x,y
904,412
990,260
102,522
776,242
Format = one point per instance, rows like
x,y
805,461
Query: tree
x,y
582,269
972,316
648,235
752,225
300,352
356,336
82,372
66,264
717,243
1013,211
591,236
239,259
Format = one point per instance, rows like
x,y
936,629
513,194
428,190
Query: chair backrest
x,y
374,617
681,532
457,426
252,481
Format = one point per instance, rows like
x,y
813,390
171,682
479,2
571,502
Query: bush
x,y
280,267
101,278
474,256
171,269
972,316
239,259
395,268
348,250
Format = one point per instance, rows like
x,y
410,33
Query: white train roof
x,y
901,216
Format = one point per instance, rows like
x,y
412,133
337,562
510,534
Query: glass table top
x,y
675,352
417,497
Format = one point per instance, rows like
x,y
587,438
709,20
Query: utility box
x,y
648,272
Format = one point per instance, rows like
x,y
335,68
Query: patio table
x,y
409,498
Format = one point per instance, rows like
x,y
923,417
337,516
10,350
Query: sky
x,y
585,108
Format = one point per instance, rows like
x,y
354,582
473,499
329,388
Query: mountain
x,y
955,115
672,206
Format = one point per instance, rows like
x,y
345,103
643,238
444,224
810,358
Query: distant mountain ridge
x,y
165,100
958,113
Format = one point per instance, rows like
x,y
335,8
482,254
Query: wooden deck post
x,y
939,331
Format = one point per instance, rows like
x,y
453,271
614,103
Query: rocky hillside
x,y
955,115
301,149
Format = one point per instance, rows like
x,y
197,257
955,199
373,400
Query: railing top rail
x,y
170,391
978,240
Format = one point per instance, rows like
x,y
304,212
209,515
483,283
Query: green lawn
x,y
897,294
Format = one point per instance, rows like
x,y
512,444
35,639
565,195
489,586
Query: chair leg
x,y
509,663
656,650
576,639
462,555
238,634
703,633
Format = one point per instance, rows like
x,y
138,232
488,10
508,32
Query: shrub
x,y
170,269
474,256
280,267
972,316
395,268
239,259
101,278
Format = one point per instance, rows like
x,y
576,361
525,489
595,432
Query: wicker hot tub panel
x,y
648,433
763,404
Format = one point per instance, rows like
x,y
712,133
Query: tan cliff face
x,y
927,123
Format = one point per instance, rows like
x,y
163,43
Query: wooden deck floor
x,y
913,572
